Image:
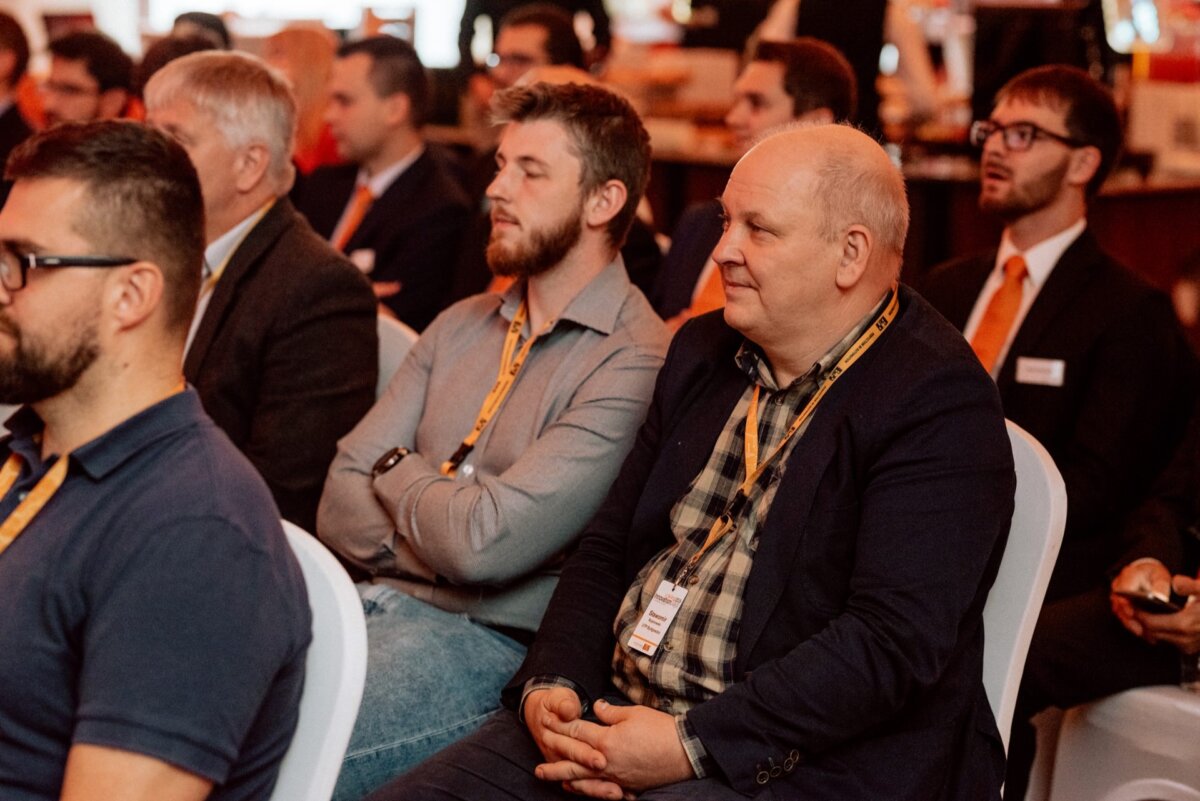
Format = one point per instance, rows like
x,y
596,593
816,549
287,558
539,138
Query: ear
x,y
398,109
604,203
251,165
857,244
136,293
1084,163
112,103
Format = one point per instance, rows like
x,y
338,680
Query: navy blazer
x,y
415,229
859,652
286,356
1128,388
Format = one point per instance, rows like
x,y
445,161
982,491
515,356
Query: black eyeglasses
x,y
1017,136
14,267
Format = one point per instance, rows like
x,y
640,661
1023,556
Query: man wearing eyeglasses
x,y
155,623
90,78
1087,357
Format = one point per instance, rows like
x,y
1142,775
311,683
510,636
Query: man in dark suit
x,y
1089,359
14,57
803,81
396,211
283,349
810,627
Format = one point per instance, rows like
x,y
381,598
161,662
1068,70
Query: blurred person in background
x,y
304,54
91,78
14,58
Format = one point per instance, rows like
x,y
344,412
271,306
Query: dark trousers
x,y
497,762
1080,652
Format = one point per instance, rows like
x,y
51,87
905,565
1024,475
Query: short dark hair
x,y
815,75
395,68
145,199
163,52
1090,113
607,135
562,43
209,22
12,39
102,57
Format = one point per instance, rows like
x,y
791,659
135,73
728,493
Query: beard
x,y
546,247
1034,194
30,373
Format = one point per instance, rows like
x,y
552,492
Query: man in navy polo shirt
x,y
155,624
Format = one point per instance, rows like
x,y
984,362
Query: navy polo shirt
x,y
153,605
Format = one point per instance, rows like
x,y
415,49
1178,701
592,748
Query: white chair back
x,y
335,670
1013,605
395,339
1136,745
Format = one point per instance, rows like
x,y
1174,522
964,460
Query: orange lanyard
x,y
34,501
726,521
39,496
210,283
506,378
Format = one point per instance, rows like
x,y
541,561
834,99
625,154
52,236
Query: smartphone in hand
x,y
1153,604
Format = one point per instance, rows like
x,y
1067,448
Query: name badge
x,y
657,618
363,259
1044,372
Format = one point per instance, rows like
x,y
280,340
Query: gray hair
x,y
246,100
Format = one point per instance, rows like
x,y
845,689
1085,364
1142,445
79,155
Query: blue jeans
x,y
432,678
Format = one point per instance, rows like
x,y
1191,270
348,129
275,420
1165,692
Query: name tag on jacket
x,y
1044,372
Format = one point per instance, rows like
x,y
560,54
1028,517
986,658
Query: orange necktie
x,y
1001,311
358,209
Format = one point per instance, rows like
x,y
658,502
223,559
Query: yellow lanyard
x,y
726,521
39,496
510,367
34,501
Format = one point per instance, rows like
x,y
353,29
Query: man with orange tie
x,y
282,348
799,81
395,211
1088,357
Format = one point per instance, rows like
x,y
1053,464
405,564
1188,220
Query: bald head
x,y
816,223
853,183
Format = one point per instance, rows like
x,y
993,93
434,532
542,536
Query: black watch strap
x,y
388,461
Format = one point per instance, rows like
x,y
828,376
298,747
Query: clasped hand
x,y
633,748
1180,629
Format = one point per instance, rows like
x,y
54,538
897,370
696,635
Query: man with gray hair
x,y
283,349
781,596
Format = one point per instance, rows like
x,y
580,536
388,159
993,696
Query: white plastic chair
x,y
1013,605
1133,746
335,670
395,339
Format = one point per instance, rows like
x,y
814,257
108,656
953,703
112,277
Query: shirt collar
x,y
751,360
223,246
1041,258
114,447
596,306
379,183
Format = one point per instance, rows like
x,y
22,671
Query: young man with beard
x,y
155,623
1087,357
461,489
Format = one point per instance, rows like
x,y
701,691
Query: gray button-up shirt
x,y
487,542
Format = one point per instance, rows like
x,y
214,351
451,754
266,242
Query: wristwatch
x,y
388,461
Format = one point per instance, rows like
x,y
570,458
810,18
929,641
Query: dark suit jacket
x,y
696,235
415,229
1127,391
13,131
860,644
286,356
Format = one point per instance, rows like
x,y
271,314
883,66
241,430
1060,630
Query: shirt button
x,y
467,470
693,580
22,496
667,645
